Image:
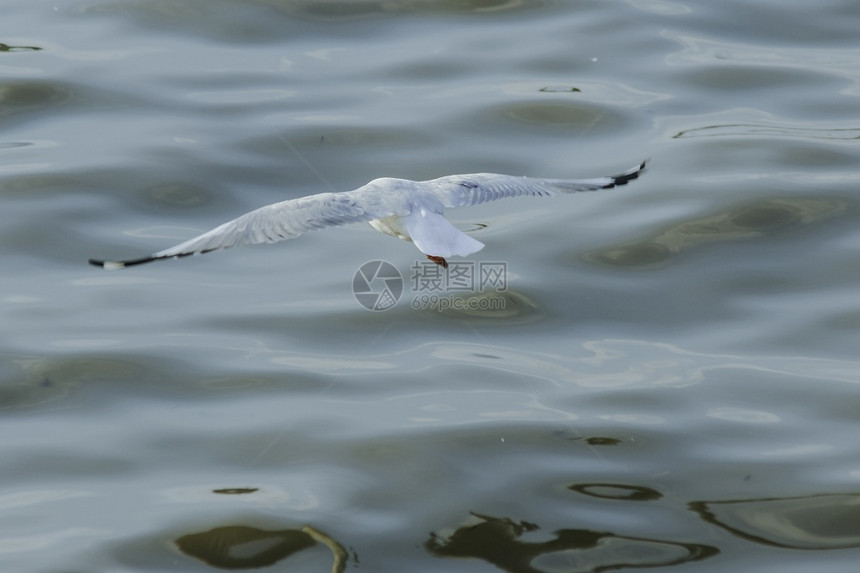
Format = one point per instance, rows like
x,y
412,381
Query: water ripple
x,y
780,131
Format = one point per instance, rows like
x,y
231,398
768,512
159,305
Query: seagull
x,y
409,210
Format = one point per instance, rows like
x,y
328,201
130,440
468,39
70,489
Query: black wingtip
x,y
114,265
627,176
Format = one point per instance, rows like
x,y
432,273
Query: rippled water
x,y
666,375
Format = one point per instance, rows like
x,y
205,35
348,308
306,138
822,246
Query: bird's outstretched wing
x,y
269,224
465,190
378,199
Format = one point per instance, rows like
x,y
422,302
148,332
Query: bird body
x,y
409,210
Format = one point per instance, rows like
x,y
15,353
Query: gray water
x,y
666,378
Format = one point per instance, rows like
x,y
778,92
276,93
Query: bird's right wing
x,y
464,190
269,224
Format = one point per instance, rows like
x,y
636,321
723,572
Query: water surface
x,y
670,382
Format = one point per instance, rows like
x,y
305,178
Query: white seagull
x,y
409,210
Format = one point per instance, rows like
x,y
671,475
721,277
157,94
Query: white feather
x,y
409,210
434,235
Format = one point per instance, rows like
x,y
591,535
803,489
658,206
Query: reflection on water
x,y
558,116
235,490
702,52
827,521
39,381
361,8
602,441
597,364
510,307
241,547
758,219
747,129
26,96
8,48
617,491
171,12
244,547
495,540
559,89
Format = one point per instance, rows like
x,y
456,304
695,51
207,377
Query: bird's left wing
x,y
464,190
269,224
